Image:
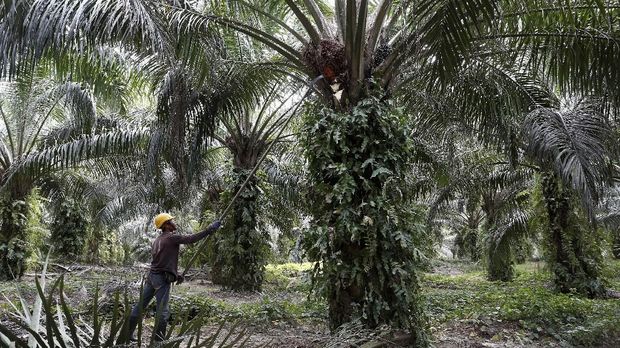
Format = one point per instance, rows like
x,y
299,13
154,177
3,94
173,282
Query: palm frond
x,y
50,28
199,22
574,144
66,155
572,44
611,220
12,32
488,99
511,226
448,30
110,73
315,36
376,26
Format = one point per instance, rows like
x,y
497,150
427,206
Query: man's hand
x,y
215,225
180,279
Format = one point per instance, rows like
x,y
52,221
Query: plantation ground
x,y
465,309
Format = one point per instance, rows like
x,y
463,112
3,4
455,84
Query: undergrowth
x,y
527,307
528,301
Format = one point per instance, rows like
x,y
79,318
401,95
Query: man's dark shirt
x,y
165,249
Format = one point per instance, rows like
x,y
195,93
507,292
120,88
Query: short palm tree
x,y
574,149
240,253
493,206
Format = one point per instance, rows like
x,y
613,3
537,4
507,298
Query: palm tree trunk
x,y
240,250
13,244
616,245
499,251
572,258
364,232
500,260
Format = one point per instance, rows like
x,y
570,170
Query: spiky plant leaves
x,y
10,339
51,326
77,333
68,315
34,335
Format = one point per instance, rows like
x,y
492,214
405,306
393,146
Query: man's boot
x,y
133,322
160,331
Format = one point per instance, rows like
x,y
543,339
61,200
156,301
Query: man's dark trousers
x,y
155,286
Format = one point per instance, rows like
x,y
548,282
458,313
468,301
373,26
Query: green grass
x,y
285,299
288,276
266,311
529,301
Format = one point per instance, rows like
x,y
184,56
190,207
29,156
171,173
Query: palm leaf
x,y
377,24
513,225
276,20
574,145
72,153
448,30
315,36
572,44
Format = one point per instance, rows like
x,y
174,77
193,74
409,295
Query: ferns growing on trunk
x,y
69,229
365,233
240,250
13,245
573,255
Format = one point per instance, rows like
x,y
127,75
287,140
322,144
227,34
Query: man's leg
x,y
162,296
147,295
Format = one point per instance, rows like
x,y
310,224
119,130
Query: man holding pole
x,y
165,249
163,271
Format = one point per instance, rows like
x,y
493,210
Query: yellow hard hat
x,y
161,218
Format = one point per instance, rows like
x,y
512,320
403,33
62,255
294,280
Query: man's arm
x,y
193,238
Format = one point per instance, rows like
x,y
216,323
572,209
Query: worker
x,y
163,271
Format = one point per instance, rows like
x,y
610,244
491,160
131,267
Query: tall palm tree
x,y
421,48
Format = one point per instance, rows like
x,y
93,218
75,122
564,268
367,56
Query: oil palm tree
x,y
240,254
491,203
506,205
574,149
419,49
388,49
609,217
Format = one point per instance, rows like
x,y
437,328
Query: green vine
x,y
69,229
572,246
13,246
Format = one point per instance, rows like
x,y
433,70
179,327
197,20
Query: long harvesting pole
x,y
260,161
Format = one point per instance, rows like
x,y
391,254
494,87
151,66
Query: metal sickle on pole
x,y
260,161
